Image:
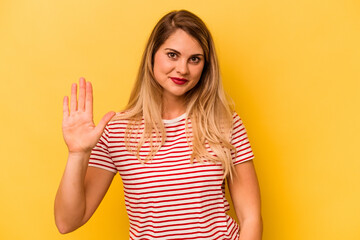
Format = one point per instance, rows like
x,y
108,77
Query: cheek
x,y
161,65
197,71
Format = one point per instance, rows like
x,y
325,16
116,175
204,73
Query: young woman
x,y
174,145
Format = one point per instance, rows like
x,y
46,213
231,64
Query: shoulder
x,y
237,121
236,117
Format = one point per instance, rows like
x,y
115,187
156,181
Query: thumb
x,y
105,119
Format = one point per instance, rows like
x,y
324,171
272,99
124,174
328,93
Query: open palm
x,y
79,131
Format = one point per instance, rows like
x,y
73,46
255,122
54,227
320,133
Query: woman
x,y
173,145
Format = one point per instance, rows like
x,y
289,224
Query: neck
x,y
173,107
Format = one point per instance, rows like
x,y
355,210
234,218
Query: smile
x,y
179,81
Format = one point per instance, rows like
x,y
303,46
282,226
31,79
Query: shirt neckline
x,y
174,120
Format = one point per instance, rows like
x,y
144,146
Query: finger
x,y
81,102
82,93
89,98
106,118
73,101
65,107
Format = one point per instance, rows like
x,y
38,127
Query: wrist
x,y
79,155
78,161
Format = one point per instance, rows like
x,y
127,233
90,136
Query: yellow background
x,y
291,66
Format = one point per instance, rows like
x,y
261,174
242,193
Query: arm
x,y
81,188
80,192
245,195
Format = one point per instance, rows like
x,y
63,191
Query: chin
x,y
178,94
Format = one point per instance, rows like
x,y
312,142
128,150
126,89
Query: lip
x,y
179,81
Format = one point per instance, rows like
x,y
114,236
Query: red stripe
x,y
141,186
127,201
210,223
170,190
194,209
165,180
165,175
181,234
170,195
157,221
216,200
168,165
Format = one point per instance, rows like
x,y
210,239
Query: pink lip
x,y
179,81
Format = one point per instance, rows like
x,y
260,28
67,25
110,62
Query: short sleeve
x,y
240,141
100,156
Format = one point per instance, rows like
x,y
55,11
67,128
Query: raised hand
x,y
79,131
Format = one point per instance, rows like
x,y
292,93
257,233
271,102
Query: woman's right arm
x,y
81,188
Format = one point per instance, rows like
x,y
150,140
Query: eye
x,y
195,59
171,54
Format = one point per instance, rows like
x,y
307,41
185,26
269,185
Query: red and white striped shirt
x,y
168,197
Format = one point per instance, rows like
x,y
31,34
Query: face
x,y
178,64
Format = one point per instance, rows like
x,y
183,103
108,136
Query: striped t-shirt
x,y
168,197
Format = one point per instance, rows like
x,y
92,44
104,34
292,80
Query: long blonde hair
x,y
208,108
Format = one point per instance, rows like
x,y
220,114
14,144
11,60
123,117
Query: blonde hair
x,y
208,108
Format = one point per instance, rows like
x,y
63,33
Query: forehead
x,y
183,43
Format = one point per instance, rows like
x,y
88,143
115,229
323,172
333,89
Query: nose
x,y
182,67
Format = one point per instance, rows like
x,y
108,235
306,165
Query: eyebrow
x,y
197,54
